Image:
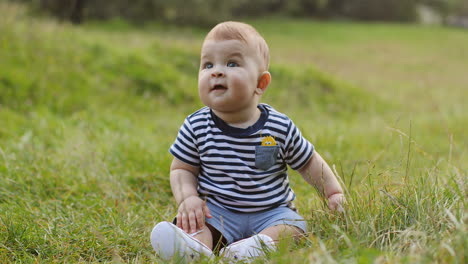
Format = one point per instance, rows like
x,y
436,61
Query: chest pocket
x,y
265,156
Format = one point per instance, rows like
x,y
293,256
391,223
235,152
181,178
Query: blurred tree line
x,y
207,12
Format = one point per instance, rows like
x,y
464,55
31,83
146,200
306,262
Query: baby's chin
x,y
222,106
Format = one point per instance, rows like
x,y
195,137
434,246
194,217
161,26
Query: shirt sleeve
x,y
185,147
298,150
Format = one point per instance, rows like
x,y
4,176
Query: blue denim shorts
x,y
236,226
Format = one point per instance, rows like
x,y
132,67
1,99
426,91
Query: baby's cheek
x,y
203,84
241,81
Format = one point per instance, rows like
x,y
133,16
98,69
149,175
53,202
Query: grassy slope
x,y
87,115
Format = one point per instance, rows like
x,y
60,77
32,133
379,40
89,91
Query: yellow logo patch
x,y
268,141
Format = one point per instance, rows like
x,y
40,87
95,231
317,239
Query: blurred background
x,y
207,12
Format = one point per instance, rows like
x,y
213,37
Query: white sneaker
x,y
169,241
248,249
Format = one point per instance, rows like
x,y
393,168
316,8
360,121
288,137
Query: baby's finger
x,y
340,209
179,220
207,211
192,222
200,218
185,225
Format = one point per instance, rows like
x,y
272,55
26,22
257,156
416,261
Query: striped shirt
x,y
243,170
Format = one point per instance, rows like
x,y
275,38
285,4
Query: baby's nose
x,y
217,73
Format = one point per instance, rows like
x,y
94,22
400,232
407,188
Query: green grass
x,y
87,115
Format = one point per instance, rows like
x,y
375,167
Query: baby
x,y
229,172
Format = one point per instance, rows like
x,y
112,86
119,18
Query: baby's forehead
x,y
228,46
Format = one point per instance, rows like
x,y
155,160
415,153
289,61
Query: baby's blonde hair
x,y
231,30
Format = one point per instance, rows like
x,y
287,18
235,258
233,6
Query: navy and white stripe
x,y
226,156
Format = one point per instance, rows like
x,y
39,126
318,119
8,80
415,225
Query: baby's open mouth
x,y
218,87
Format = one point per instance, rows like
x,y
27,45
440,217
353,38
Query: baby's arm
x,y
192,209
318,174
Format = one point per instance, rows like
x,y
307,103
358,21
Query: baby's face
x,y
228,76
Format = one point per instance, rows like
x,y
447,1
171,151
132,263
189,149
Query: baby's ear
x,y
263,82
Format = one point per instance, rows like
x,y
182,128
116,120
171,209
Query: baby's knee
x,y
278,232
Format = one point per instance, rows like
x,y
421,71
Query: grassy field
x,y
87,115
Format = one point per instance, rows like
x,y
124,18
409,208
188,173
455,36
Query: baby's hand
x,y
191,214
335,202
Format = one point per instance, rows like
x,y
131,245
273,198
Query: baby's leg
x,y
282,231
267,227
205,236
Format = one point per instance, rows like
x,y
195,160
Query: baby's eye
x,y
232,64
208,65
